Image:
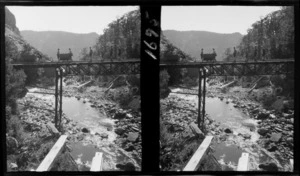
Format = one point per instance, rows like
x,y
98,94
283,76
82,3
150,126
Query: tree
x,y
121,39
227,54
14,79
83,54
272,37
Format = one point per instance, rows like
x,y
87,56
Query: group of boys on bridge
x,y
68,56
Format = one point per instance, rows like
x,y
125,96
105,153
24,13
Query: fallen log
x,y
252,88
256,81
112,83
196,130
227,85
84,84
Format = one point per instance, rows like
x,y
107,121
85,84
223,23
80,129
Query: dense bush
x,y
163,84
163,79
14,79
187,81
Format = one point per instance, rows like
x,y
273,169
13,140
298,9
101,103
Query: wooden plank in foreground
x,y
97,162
243,162
292,165
54,152
194,162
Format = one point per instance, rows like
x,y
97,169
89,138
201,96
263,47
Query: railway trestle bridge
x,y
270,67
235,68
73,68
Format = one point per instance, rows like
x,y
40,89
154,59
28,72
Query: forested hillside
x,y
49,41
191,42
121,39
271,37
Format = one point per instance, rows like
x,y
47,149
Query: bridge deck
x,y
238,68
69,63
200,64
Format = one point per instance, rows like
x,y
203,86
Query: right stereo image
x,y
227,88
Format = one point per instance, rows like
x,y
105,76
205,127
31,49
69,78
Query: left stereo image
x,y
72,88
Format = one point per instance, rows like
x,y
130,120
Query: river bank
x,y
238,122
101,124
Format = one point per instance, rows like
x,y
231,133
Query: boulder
x,y
85,130
290,141
262,131
129,148
45,133
268,167
275,137
119,131
13,165
126,167
263,115
132,136
129,116
52,129
247,136
227,130
196,130
272,147
11,144
120,115
104,135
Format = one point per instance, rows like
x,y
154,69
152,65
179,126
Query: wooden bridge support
x,y
201,99
58,98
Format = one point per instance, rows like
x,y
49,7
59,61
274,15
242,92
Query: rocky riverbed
x,y
119,137
266,134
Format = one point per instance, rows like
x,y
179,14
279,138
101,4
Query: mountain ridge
x,y
192,41
49,41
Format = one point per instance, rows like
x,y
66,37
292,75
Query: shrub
x,y
189,82
163,79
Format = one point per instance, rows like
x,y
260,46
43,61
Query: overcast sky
x,y
74,19
220,19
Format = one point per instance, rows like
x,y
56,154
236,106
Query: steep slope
x,y
191,42
49,41
19,47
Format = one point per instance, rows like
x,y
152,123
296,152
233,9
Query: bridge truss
x,y
88,68
80,68
272,67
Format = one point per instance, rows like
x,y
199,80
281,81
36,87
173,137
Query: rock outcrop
x,y
19,48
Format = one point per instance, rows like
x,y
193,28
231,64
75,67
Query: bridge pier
x,y
58,97
201,99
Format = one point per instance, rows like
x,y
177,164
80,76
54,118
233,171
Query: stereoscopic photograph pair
x,y
76,100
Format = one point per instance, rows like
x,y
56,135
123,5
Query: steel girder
x,y
277,67
89,68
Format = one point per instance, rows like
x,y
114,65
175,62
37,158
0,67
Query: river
x,y
96,120
229,150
